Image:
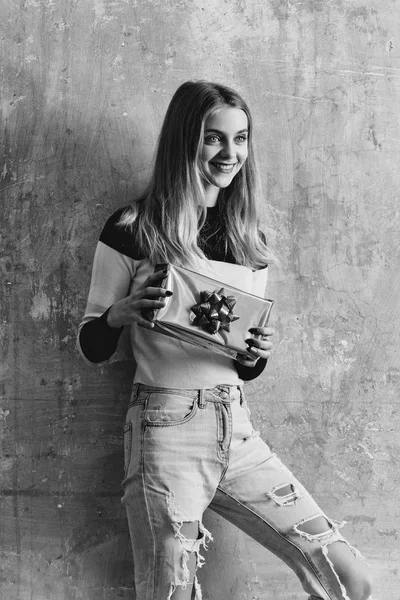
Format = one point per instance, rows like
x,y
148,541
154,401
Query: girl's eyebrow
x,y
223,133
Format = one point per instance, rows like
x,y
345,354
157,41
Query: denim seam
x,y
305,556
230,427
226,421
142,473
127,448
221,454
224,470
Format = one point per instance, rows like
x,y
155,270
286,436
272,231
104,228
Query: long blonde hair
x,y
168,216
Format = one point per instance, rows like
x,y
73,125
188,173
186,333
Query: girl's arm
x,y
111,277
260,347
110,306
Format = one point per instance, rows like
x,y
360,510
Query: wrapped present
x,y
209,313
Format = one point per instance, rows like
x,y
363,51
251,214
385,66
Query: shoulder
x,y
119,237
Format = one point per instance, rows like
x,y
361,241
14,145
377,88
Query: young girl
x,y
189,443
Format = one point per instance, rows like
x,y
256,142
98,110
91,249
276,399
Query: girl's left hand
x,y
259,347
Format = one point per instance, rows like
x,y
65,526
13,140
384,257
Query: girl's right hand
x,y
148,296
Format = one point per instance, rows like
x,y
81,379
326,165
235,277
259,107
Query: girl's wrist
x,y
111,320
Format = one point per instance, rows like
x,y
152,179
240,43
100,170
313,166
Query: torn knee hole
x,y
191,536
284,494
318,527
285,490
191,530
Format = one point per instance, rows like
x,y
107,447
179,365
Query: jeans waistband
x,y
222,393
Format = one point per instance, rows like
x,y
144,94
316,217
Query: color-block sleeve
x,y
112,274
259,287
250,373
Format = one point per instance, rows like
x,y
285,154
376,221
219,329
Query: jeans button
x,y
223,395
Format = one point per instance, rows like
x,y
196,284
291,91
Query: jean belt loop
x,y
202,401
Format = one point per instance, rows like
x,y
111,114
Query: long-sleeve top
x,y
119,268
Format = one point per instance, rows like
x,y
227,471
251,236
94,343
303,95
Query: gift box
x,y
208,312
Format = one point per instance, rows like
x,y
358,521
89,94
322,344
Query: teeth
x,y
223,167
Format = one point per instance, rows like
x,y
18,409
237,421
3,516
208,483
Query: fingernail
x,y
169,293
253,330
250,341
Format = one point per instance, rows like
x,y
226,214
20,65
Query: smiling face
x,y
224,150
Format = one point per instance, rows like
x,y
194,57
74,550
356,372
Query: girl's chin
x,y
218,181
221,181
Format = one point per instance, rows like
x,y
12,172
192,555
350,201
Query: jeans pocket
x,y
164,409
127,447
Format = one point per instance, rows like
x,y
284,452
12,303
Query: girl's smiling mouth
x,y
223,167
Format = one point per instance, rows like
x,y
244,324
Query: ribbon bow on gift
x,y
214,311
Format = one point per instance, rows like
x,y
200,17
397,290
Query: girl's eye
x,y
212,139
242,138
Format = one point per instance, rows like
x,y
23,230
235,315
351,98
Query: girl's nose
x,y
228,150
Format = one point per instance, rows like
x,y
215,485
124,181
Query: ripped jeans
x,y
186,450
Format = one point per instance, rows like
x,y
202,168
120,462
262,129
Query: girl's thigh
x,y
261,496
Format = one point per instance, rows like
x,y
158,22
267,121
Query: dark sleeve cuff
x,y
249,373
98,340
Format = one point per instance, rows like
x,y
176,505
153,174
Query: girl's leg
x,y
261,496
171,474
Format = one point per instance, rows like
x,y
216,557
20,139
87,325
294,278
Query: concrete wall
x,y
84,86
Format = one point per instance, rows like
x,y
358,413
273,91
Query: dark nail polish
x,y
168,293
253,330
250,342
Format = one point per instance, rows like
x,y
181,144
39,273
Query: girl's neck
x,y
212,193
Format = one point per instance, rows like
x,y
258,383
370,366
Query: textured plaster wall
x,y
83,88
